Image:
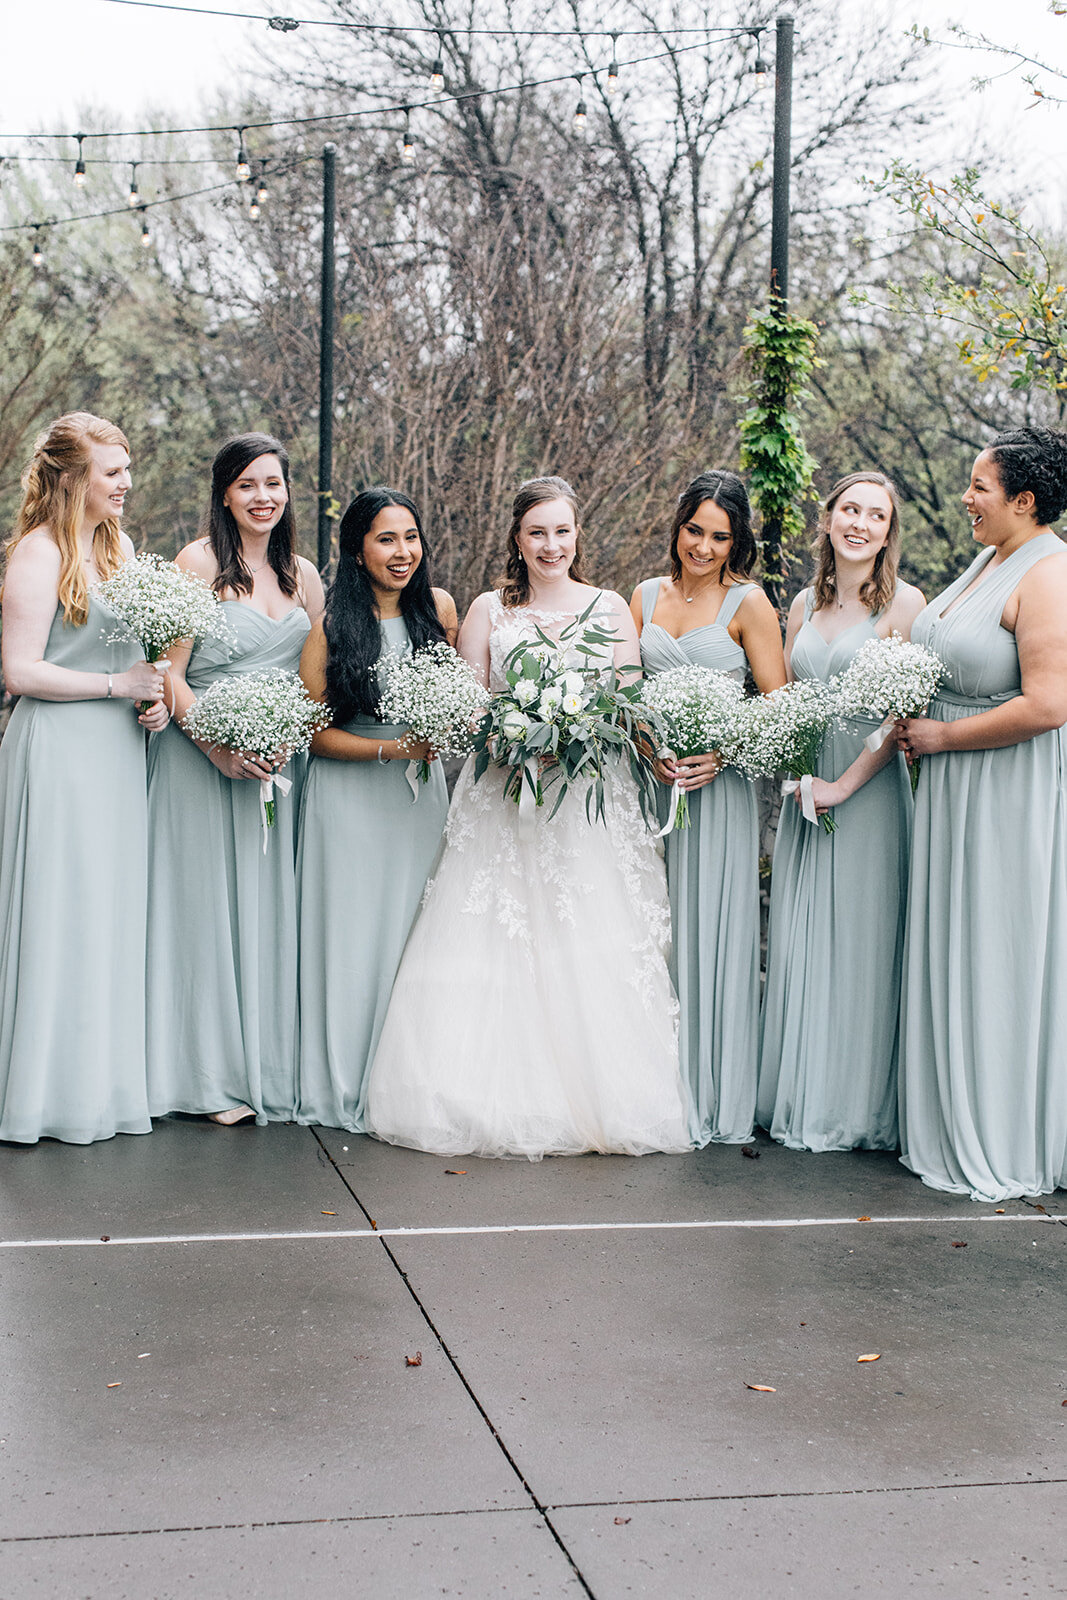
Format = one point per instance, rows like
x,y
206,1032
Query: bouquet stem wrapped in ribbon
x,y
891,678
266,715
433,693
697,710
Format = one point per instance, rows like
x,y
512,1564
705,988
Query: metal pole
x,y
329,211
783,117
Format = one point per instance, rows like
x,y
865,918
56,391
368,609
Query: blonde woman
x,y
72,804
828,1061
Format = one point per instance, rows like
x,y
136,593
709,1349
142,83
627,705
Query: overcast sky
x,y
60,55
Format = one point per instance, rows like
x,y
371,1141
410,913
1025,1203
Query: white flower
x,y
573,683
699,709
257,713
525,691
889,678
434,694
515,725
571,704
159,604
549,702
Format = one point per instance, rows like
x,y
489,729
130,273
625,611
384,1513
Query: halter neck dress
x,y
828,1057
72,897
221,912
366,849
983,1084
713,883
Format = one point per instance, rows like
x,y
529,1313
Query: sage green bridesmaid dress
x,y
221,996
367,847
828,1055
72,898
983,1077
713,883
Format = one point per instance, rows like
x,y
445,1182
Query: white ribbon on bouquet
x,y
807,800
677,799
874,741
267,787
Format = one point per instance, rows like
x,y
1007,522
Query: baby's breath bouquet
x,y
785,733
697,710
435,694
269,715
558,724
891,678
159,604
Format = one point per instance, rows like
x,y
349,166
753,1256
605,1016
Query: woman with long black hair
x,y
366,844
221,992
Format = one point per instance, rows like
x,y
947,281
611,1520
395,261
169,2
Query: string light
x,y
407,149
79,170
437,71
253,208
38,254
261,187
761,69
613,70
133,198
242,171
581,115
146,237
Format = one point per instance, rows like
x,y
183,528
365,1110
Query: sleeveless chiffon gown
x,y
828,1060
533,1012
366,849
72,893
221,997
713,879
983,1088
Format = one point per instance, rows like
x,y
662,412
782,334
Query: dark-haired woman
x,y
366,848
532,1014
828,1059
709,613
983,1100
222,912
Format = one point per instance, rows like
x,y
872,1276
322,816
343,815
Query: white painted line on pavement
x,y
517,1227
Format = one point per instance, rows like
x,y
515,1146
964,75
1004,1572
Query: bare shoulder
x,y
907,603
309,572
446,606
126,545
755,603
1050,573
35,556
479,606
198,557
796,609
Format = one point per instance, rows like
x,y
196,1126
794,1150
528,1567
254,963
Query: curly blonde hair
x,y
55,489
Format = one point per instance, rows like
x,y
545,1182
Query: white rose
x,y
548,704
515,726
525,691
573,683
572,704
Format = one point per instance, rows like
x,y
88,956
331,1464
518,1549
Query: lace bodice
x,y
517,625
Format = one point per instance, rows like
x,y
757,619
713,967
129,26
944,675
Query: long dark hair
x,y
350,622
515,585
726,490
1034,459
881,586
235,457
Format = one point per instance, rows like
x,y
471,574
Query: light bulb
x,y
38,254
613,77
763,73
79,170
242,171
133,198
146,237
253,209
437,76
261,190
581,117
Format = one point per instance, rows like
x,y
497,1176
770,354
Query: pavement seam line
x,y
811,1494
471,1229
268,1522
461,1375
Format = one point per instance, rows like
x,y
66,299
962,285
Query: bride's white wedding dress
x,y
533,1012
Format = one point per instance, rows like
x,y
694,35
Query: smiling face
x,y
109,480
258,497
392,549
705,541
547,539
860,523
993,516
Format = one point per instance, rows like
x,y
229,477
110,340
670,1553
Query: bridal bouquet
x,y
891,678
261,714
697,709
557,724
159,604
435,694
784,734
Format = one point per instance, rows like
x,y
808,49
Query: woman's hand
x,y
234,765
919,736
143,681
695,772
155,719
666,768
825,796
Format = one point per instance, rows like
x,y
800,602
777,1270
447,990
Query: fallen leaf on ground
x,y
863,1219
750,1151
869,1358
114,1385
105,1238
415,1360
1042,1209
620,1522
959,1244
761,1388
373,1224
329,1213
455,1172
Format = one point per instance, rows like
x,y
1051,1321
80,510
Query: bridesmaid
x,y
709,612
221,912
72,804
828,1062
366,846
983,1101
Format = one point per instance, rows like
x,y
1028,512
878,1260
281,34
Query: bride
x,y
533,1013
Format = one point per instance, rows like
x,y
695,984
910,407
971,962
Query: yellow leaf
x,y
761,1388
869,1358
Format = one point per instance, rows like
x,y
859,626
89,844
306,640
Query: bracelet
x,y
109,686
381,763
